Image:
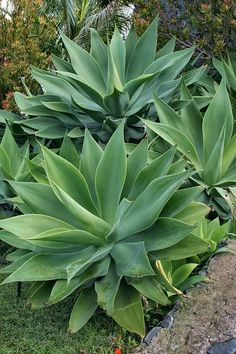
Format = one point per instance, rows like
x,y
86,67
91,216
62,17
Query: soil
x,y
206,321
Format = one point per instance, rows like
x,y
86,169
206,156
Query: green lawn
x,y
24,331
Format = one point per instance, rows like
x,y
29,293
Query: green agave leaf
x,y
85,65
11,257
177,167
176,137
40,297
128,310
69,152
43,267
26,226
213,167
229,154
133,85
76,237
82,263
188,247
13,152
117,103
143,53
163,279
130,43
118,52
180,199
40,199
86,220
164,233
62,65
60,171
37,172
107,289
136,162
90,157
76,133
166,49
193,213
17,263
150,288
83,309
5,163
62,288
137,218
182,273
99,51
53,131
192,281
218,115
110,181
113,79
192,119
155,169
131,259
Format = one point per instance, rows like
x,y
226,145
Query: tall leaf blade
x,y
110,177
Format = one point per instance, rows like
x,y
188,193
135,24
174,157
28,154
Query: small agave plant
x,y
207,140
98,89
101,227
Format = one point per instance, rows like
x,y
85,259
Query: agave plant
x,y
103,228
207,140
98,89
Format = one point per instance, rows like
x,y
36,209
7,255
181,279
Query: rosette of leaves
x,y
98,89
101,225
207,140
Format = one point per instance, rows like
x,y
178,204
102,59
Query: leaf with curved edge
x,y
176,137
60,171
130,43
40,199
87,221
12,267
132,85
128,310
118,52
155,169
136,162
150,288
192,281
69,152
76,237
76,133
110,181
82,263
113,79
180,199
61,65
177,167
90,158
193,213
229,154
154,197
43,267
218,114
5,163
191,245
182,273
143,53
53,131
166,49
164,233
85,65
213,167
117,102
26,226
107,289
83,309
13,152
131,259
62,288
39,298
99,51
164,280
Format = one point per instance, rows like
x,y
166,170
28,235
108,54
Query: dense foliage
x,y
209,24
25,39
121,225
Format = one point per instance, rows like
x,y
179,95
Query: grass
x,y
25,331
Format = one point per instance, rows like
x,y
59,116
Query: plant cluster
x,y
120,184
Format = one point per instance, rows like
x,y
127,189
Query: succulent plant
x,y
98,89
102,227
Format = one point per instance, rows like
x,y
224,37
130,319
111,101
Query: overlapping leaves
x,y
103,227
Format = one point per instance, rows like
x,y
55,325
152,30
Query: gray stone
x,y
223,348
